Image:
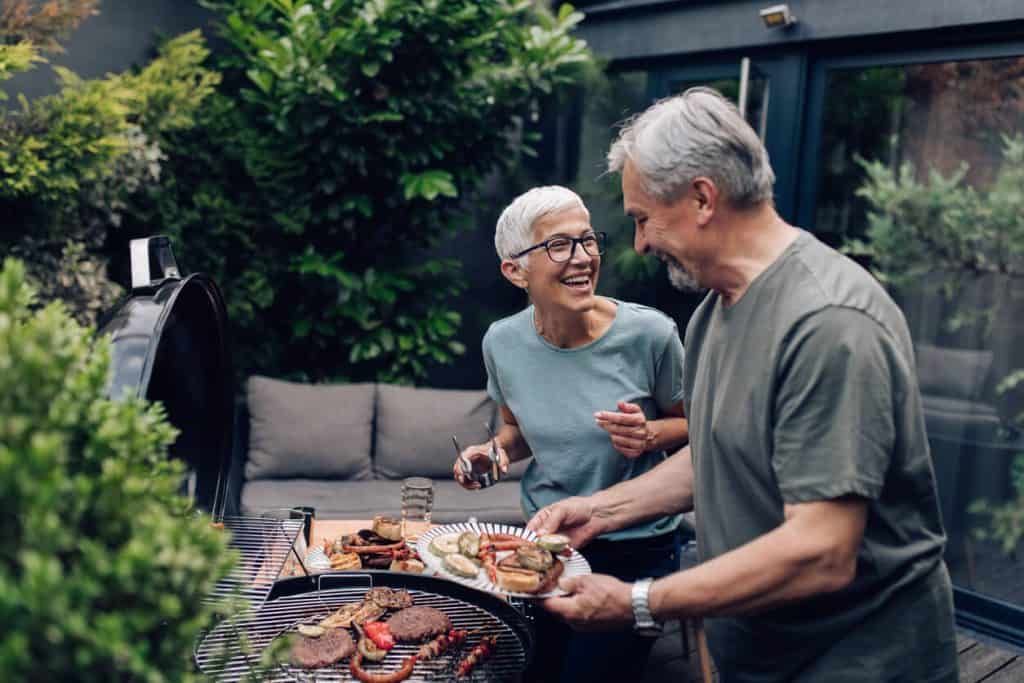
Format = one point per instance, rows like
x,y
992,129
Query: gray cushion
x,y
309,430
364,499
956,373
415,427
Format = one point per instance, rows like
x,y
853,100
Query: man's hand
x,y
596,603
573,517
478,456
627,428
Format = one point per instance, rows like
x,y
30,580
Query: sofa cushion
x,y
415,428
956,373
309,430
363,499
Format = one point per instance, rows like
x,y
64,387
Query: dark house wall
x,y
640,29
122,35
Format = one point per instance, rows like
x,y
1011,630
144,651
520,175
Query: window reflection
x,y
922,179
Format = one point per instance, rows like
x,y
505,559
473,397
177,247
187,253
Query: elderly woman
x,y
589,389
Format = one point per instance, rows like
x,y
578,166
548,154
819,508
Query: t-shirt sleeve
x,y
834,429
668,373
493,385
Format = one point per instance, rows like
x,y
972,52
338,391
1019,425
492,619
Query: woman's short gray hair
x,y
514,232
697,133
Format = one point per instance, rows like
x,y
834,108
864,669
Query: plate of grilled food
x,y
501,559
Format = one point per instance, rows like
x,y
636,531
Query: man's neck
x,y
751,242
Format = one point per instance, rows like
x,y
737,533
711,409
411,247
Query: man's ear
x,y
514,273
707,196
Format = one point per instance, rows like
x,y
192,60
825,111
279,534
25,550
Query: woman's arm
x,y
633,434
511,448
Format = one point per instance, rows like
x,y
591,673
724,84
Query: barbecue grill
x,y
169,344
306,599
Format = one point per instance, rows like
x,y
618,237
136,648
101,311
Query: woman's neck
x,y
572,330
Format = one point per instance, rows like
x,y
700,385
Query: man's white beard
x,y
681,279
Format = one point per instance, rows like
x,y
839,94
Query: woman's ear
x,y
514,273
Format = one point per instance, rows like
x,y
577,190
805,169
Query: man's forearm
x,y
664,490
796,560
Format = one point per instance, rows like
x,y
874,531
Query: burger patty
x,y
416,624
390,598
333,646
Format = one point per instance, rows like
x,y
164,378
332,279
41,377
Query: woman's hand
x,y
478,457
627,428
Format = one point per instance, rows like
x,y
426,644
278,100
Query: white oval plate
x,y
575,564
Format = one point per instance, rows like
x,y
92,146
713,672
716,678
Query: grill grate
x,y
263,544
220,653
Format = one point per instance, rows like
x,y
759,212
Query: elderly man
x,y
808,467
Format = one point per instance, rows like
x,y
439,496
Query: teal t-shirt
x,y
555,392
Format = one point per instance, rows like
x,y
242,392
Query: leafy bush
x,y
944,225
69,163
102,565
343,147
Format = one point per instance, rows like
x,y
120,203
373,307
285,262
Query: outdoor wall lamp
x,y
777,16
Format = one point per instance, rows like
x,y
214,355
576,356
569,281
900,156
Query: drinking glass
x,y
417,504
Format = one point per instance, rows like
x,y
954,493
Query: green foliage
x,y
59,144
944,225
1005,523
102,565
344,146
15,59
70,163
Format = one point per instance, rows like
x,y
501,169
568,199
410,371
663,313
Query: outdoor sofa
x,y
344,449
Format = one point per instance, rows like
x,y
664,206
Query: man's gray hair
x,y
514,232
697,133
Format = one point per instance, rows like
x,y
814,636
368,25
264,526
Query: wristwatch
x,y
643,621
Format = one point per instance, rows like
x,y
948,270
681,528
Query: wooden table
x,y
329,529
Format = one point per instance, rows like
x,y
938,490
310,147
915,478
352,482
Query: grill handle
x,y
152,256
345,579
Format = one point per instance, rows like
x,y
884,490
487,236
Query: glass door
x,y
917,171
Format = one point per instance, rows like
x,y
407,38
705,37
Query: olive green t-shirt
x,y
805,390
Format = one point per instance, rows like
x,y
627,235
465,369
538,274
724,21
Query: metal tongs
x,y
486,477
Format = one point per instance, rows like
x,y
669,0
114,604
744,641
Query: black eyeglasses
x,y
561,249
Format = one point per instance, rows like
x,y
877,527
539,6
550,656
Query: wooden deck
x,y
979,662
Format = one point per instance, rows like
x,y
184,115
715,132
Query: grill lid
x,y
169,343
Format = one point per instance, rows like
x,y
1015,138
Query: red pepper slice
x,y
380,633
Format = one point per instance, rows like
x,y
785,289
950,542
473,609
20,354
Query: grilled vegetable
x,y
311,630
554,543
469,544
444,545
380,633
460,565
534,557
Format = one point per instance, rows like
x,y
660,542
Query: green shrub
x,y
102,564
70,162
347,140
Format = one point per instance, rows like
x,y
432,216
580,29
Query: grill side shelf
x,y
263,544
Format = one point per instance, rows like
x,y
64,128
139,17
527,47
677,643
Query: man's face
x,y
569,285
663,230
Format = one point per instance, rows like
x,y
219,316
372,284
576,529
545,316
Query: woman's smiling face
x,y
569,286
